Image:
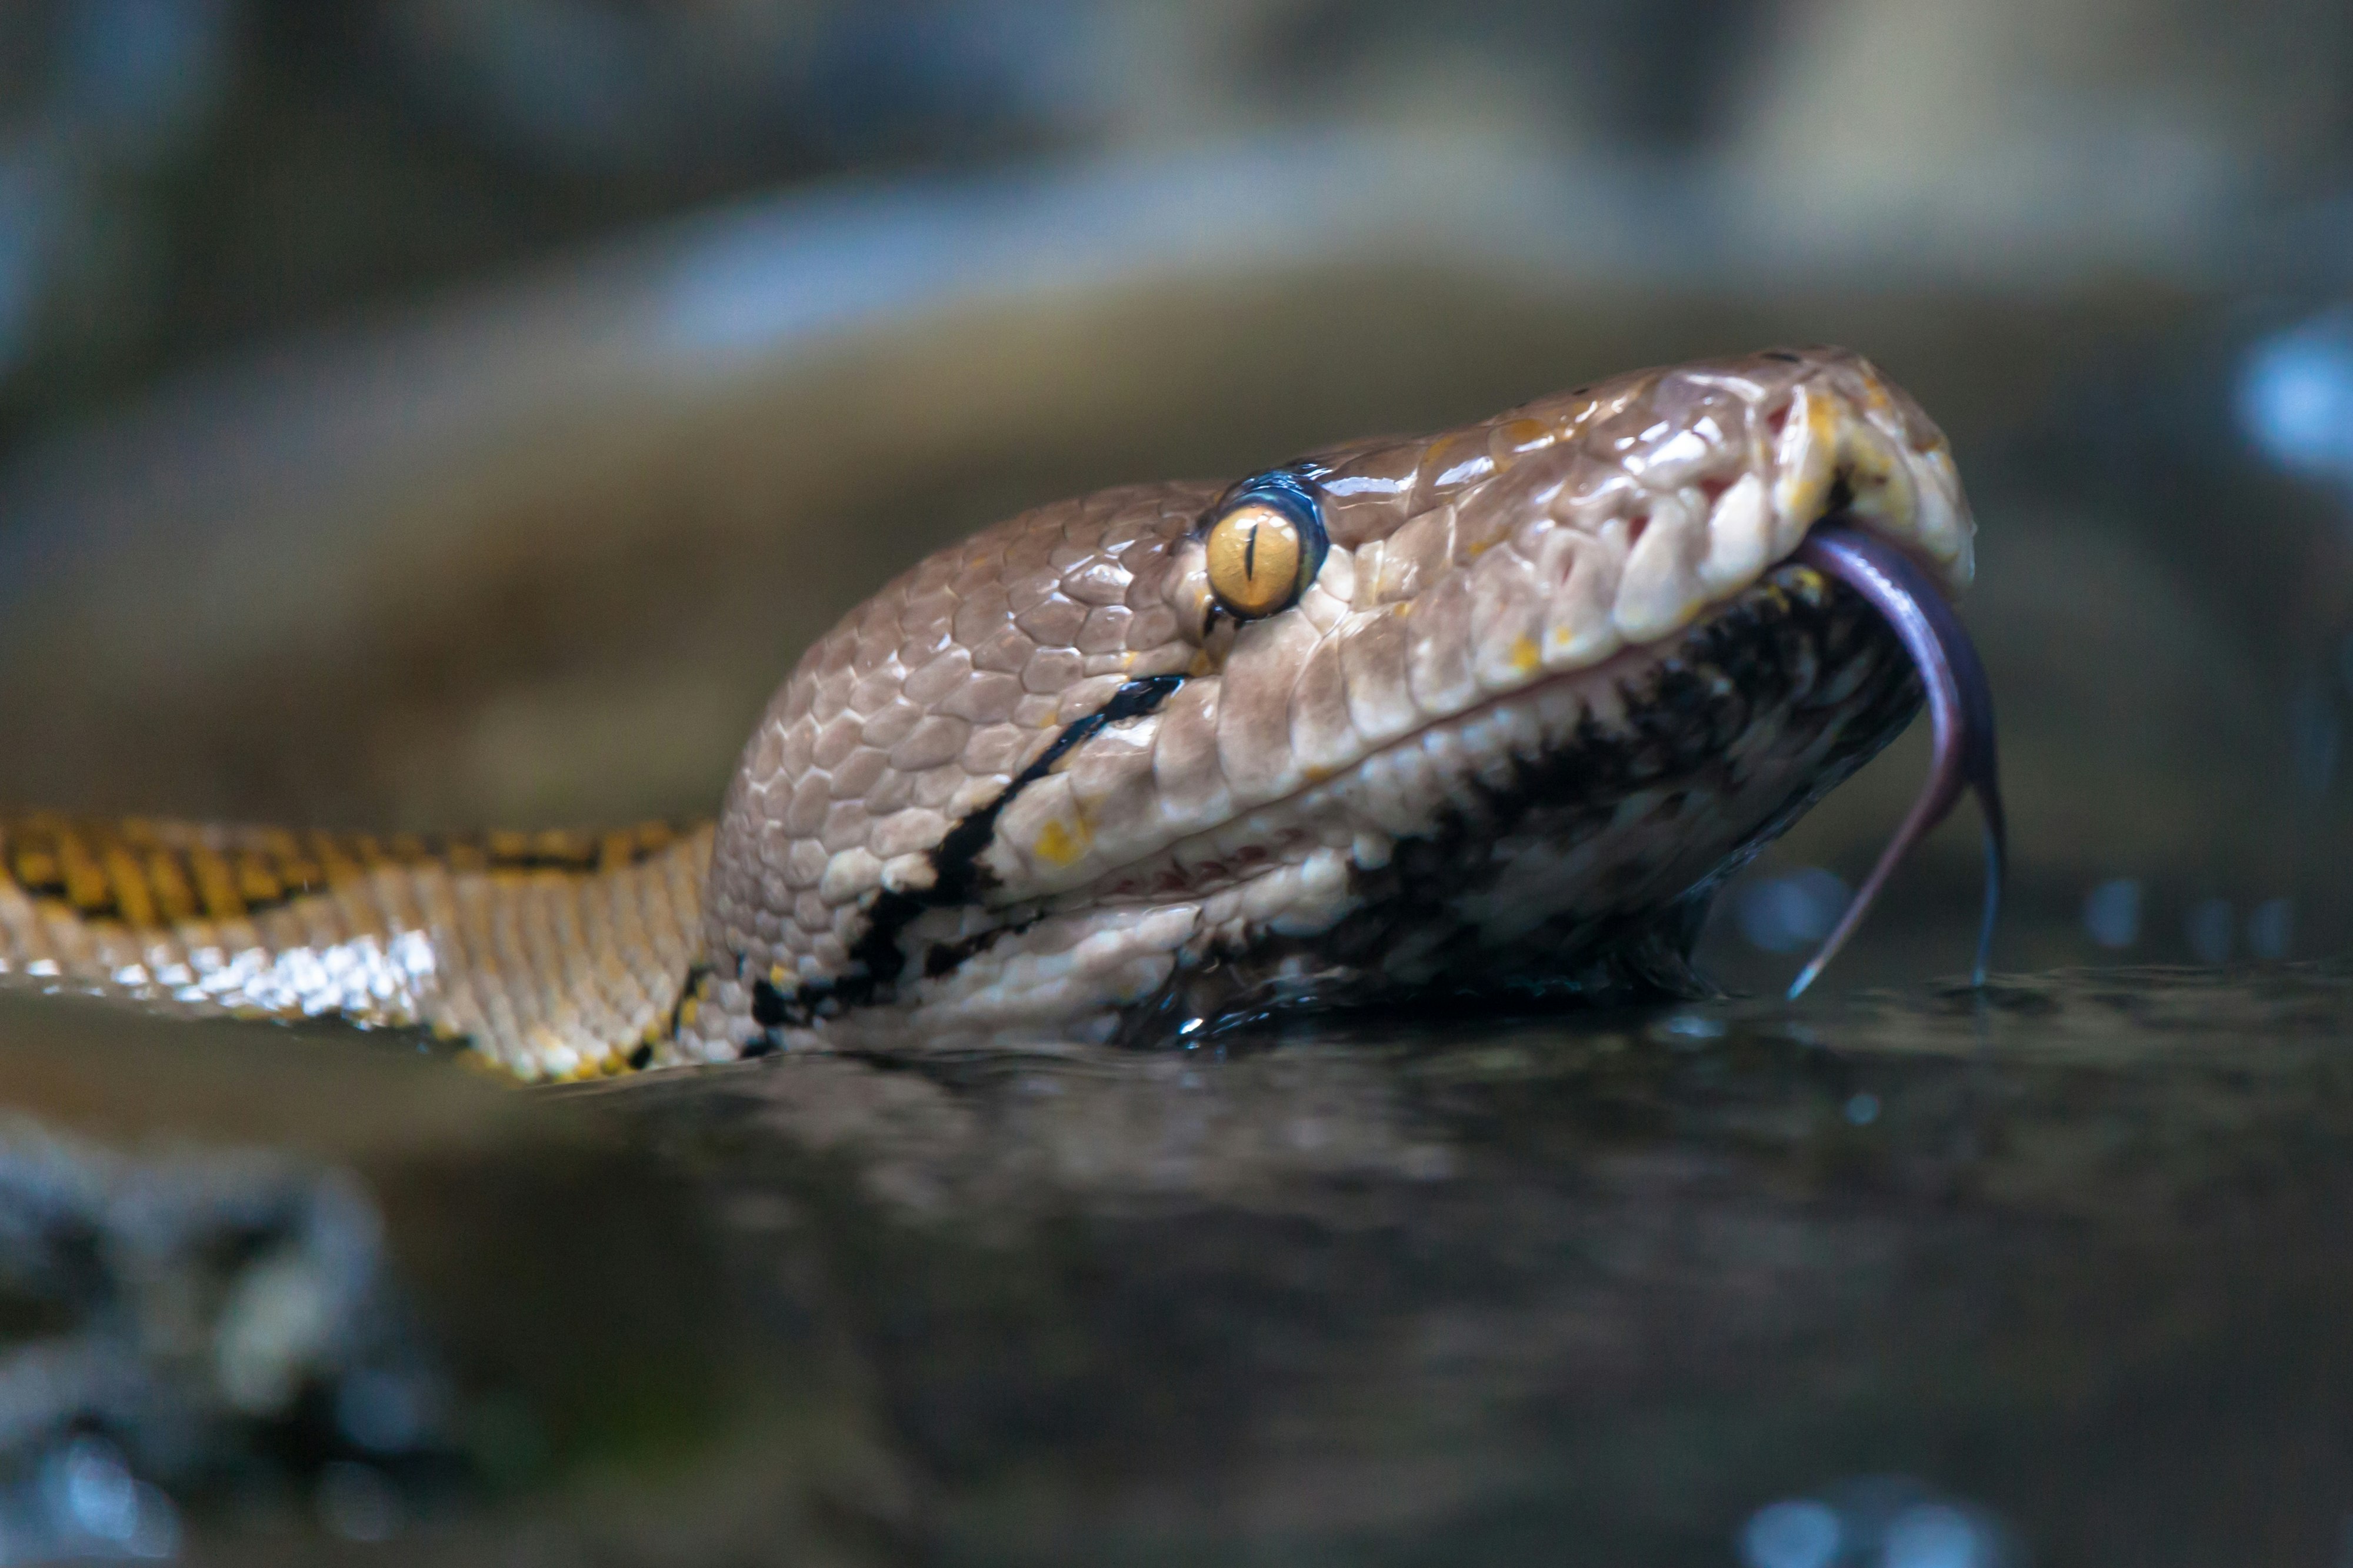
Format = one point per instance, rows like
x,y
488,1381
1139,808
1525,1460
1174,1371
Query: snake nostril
x,y
1636,528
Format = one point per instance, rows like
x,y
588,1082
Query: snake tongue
x,y
1960,713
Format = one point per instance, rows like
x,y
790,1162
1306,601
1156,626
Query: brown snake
x,y
1491,713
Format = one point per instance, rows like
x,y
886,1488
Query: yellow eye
x,y
1263,550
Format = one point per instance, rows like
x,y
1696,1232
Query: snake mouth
x,y
1827,674
1558,842
1651,720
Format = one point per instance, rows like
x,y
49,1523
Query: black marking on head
x,y
642,1057
1784,355
957,877
764,1044
958,873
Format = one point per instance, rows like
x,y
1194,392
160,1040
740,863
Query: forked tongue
x,y
1960,716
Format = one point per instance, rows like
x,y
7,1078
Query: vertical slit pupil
x,y
1249,554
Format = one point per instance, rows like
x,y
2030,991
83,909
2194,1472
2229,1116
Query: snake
x,y
1480,717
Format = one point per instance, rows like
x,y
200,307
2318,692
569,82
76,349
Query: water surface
x,y
2054,1271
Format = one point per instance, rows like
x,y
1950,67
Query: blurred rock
x,y
200,1314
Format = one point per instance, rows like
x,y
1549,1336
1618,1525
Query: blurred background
x,y
452,413
419,412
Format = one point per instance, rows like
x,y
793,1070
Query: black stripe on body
x,y
149,874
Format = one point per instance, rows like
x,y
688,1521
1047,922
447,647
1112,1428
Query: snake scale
x,y
1489,712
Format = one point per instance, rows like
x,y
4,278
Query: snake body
x,y
1546,680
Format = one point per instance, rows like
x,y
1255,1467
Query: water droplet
x,y
1797,909
2295,396
90,1505
1797,1532
2111,912
95,1492
1933,1535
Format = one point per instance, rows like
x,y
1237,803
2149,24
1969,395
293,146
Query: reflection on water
x,y
1881,1522
2071,1252
81,1501
2295,396
1671,1286
1695,1285
2111,912
1792,912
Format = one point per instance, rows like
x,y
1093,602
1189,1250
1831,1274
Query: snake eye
x,y
1265,545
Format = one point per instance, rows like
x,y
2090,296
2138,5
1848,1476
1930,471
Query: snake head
x,y
1498,714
